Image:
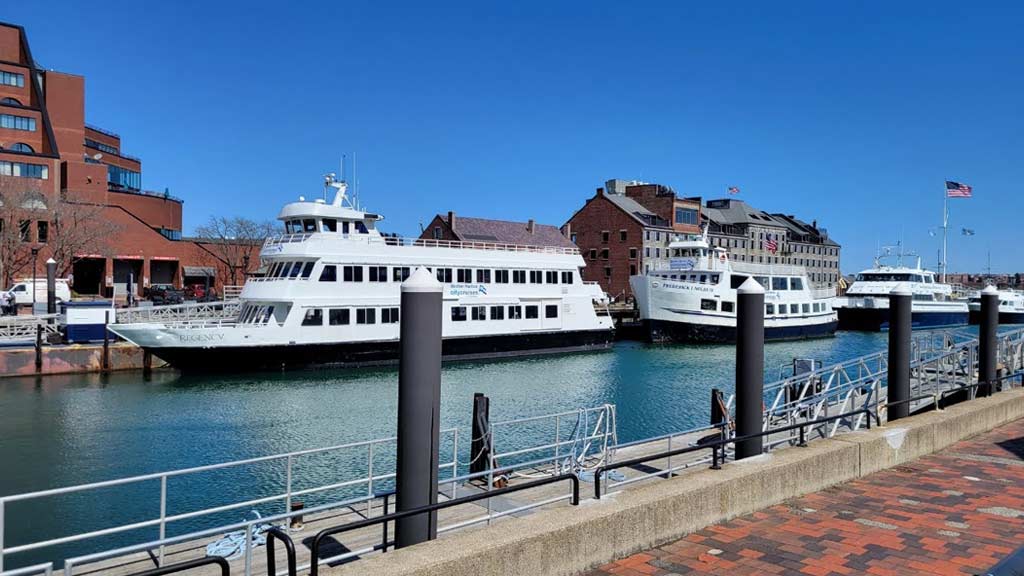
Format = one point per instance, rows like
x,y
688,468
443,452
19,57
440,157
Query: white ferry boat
x,y
1011,307
332,288
695,299
866,303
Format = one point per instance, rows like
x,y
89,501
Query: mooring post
x,y
39,348
987,346
419,406
749,367
480,445
51,287
105,360
900,326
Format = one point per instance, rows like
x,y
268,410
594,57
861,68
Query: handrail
x,y
275,533
225,568
315,548
300,237
720,444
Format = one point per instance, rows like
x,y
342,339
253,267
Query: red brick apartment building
x,y
50,154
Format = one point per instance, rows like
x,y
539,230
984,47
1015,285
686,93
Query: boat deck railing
x,y
333,238
172,313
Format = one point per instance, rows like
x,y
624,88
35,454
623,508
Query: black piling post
x,y
749,367
480,446
987,346
105,361
39,348
419,407
51,287
900,326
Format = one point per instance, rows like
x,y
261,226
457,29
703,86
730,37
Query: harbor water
x,y
61,431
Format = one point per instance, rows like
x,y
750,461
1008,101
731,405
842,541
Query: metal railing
x,y
174,313
284,239
24,328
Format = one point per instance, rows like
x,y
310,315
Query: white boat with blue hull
x,y
694,300
1011,307
331,297
865,306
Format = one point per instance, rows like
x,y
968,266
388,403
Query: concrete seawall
x,y
567,541
72,359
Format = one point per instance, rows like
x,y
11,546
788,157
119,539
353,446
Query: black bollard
x,y
51,287
987,346
480,445
419,407
105,360
900,326
39,348
749,367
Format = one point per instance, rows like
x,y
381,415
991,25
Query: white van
x,y
21,293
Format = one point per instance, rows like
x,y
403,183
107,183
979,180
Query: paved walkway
x,y
955,512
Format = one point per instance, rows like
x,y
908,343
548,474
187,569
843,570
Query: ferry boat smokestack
x,y
419,406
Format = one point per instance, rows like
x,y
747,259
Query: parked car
x,y
164,294
198,293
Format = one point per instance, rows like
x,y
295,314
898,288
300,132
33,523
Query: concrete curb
x,y
562,541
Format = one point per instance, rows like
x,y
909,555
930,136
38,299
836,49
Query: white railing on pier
x,y
17,329
198,311
333,238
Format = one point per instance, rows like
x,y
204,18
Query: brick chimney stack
x,y
451,221
530,226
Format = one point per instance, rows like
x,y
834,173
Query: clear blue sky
x,y
851,113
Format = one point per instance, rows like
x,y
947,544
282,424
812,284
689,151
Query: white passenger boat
x,y
695,299
1011,307
331,296
866,303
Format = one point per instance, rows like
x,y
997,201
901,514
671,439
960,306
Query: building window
x,y
532,312
352,273
444,275
123,178
535,277
399,274
366,316
622,235
479,313
329,273
567,277
551,277
464,275
483,276
314,317
23,170
13,122
604,254
437,232
593,253
90,143
458,313
686,216
497,313
12,79
501,276
573,238
607,271
42,231
519,276
515,312
604,236
389,315
338,316
632,253
10,101
551,311
632,269
25,230
22,147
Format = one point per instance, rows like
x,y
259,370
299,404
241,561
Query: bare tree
x,y
20,204
79,230
232,240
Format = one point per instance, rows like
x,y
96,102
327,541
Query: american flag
x,y
957,190
733,190
772,245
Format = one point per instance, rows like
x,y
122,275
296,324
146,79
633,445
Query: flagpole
x,y
945,227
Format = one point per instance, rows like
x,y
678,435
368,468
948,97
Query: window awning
x,y
201,271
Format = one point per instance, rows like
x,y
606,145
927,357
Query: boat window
x,y
296,270
307,269
535,277
703,278
769,309
378,273
928,279
924,297
715,278
918,278
287,227
282,271
497,313
519,276
444,275
399,274
532,312
338,316
464,275
366,316
344,227
706,304
762,280
566,277
479,313
780,284
515,312
352,273
361,228
329,273
551,277
796,284
737,280
389,315
806,308
314,317
815,307
501,276
794,308
551,311
458,313
483,276
727,306
330,225
309,225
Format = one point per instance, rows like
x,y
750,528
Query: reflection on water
x,y
61,431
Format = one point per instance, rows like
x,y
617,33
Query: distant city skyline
x,y
853,115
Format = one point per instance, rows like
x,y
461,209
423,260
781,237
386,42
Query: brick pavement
x,y
958,511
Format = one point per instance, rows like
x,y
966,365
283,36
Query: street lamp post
x,y
35,259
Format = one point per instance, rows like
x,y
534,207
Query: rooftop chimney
x,y
600,191
451,221
530,226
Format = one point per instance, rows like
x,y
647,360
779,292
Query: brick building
x,y
465,229
625,229
47,147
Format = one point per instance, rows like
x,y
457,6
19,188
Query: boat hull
x,y
1004,317
877,319
701,333
374,353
